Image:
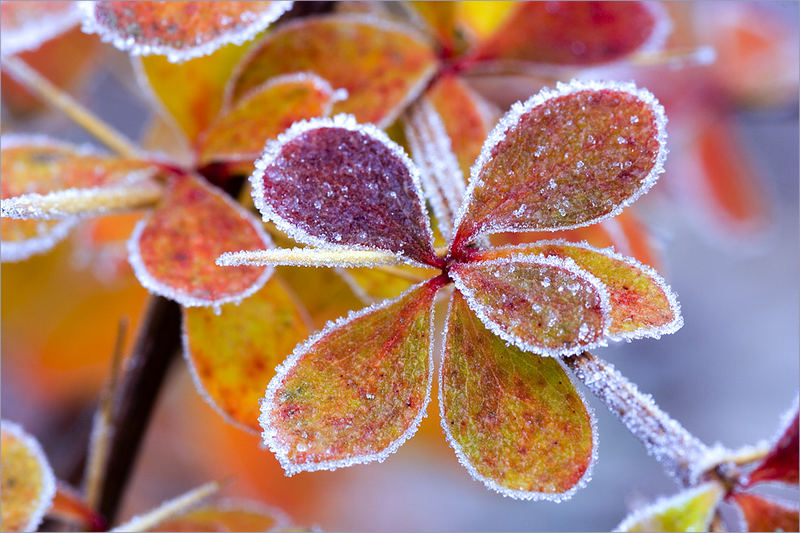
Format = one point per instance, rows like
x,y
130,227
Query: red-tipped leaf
x,y
763,514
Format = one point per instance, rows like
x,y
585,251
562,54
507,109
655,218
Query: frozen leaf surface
x,y
781,464
22,239
356,390
576,33
188,95
266,111
178,30
690,510
333,182
28,484
36,170
515,420
26,25
545,305
228,515
763,514
233,353
642,304
565,158
173,250
382,65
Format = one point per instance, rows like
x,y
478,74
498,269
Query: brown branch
x,y
664,438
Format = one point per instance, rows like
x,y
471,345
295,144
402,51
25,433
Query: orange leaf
x,y
564,159
576,33
515,420
763,514
382,65
323,293
179,30
545,305
642,304
233,354
26,25
228,515
264,112
28,484
356,390
173,250
23,238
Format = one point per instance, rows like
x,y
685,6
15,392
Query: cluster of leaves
x,y
695,508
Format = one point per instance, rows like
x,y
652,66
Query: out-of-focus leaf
x,y
227,515
23,238
762,514
233,353
173,249
28,484
188,95
564,159
484,18
781,464
179,30
323,293
333,182
372,284
26,25
575,33
514,419
381,64
263,113
690,510
355,391
642,304
445,129
545,305
445,22
48,60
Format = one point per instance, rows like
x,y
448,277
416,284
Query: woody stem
x,y
663,437
54,96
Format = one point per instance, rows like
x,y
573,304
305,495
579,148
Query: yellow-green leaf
x,y
690,510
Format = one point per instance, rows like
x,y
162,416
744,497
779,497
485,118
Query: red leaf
x,y
761,514
545,305
382,65
356,390
781,464
179,30
173,250
332,182
642,304
564,159
515,420
239,134
576,33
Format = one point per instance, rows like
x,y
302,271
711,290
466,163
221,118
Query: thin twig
x,y
51,94
663,437
102,426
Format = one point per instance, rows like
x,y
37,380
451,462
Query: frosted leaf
x,y
781,464
577,33
515,421
355,391
232,354
26,25
545,305
310,257
179,30
264,112
172,251
642,304
228,515
506,176
690,510
761,513
381,64
22,239
367,188
28,483
43,178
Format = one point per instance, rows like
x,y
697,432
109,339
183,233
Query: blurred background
x,y
727,375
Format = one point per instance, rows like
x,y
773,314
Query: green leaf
x,y
514,419
356,390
